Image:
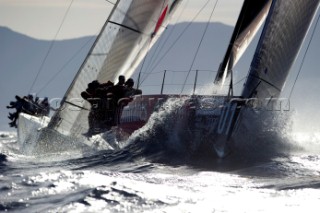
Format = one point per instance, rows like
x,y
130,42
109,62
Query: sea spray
x,y
163,127
263,133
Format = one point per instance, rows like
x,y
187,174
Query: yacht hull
x,y
195,120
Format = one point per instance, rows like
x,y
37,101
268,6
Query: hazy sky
x,y
42,18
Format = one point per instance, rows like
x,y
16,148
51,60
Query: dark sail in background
x,y
252,15
282,36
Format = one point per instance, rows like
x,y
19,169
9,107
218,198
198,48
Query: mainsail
x,y
281,39
252,15
130,30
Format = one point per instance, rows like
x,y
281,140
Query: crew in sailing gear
x,y
115,94
44,107
13,103
18,105
104,98
90,91
122,80
126,97
90,95
97,95
28,106
129,90
117,91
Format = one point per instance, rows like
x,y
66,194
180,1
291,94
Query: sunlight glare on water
x,y
131,181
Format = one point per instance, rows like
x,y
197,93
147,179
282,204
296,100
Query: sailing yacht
x,y
131,29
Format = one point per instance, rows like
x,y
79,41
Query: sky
x,y
42,19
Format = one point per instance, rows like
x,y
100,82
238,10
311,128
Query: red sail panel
x,y
160,20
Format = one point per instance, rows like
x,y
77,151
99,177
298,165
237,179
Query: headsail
x,y
286,25
281,39
252,15
123,41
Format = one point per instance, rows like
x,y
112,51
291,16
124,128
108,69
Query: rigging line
x,y
240,80
75,105
264,81
304,56
149,44
64,66
144,60
175,71
51,46
157,52
199,46
110,2
175,41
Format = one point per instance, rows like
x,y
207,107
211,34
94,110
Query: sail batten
x,y
121,25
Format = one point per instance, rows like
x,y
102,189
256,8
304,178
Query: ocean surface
x,y
149,175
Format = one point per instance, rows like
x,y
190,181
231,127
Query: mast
x,y
127,34
56,117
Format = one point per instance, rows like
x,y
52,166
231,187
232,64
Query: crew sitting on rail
x,y
130,91
43,107
122,89
29,106
107,101
96,95
18,104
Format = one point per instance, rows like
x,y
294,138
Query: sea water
x,y
156,174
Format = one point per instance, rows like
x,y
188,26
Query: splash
x,y
306,142
209,89
263,133
260,134
162,131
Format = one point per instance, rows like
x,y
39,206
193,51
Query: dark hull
x,y
195,120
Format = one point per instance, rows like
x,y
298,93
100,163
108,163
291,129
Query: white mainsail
x,y
130,30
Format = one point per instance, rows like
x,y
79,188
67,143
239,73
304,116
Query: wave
x,y
3,159
262,135
165,138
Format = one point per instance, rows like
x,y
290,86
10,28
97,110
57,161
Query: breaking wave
x,y
263,135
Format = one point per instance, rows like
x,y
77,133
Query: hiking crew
x,y
29,106
107,101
